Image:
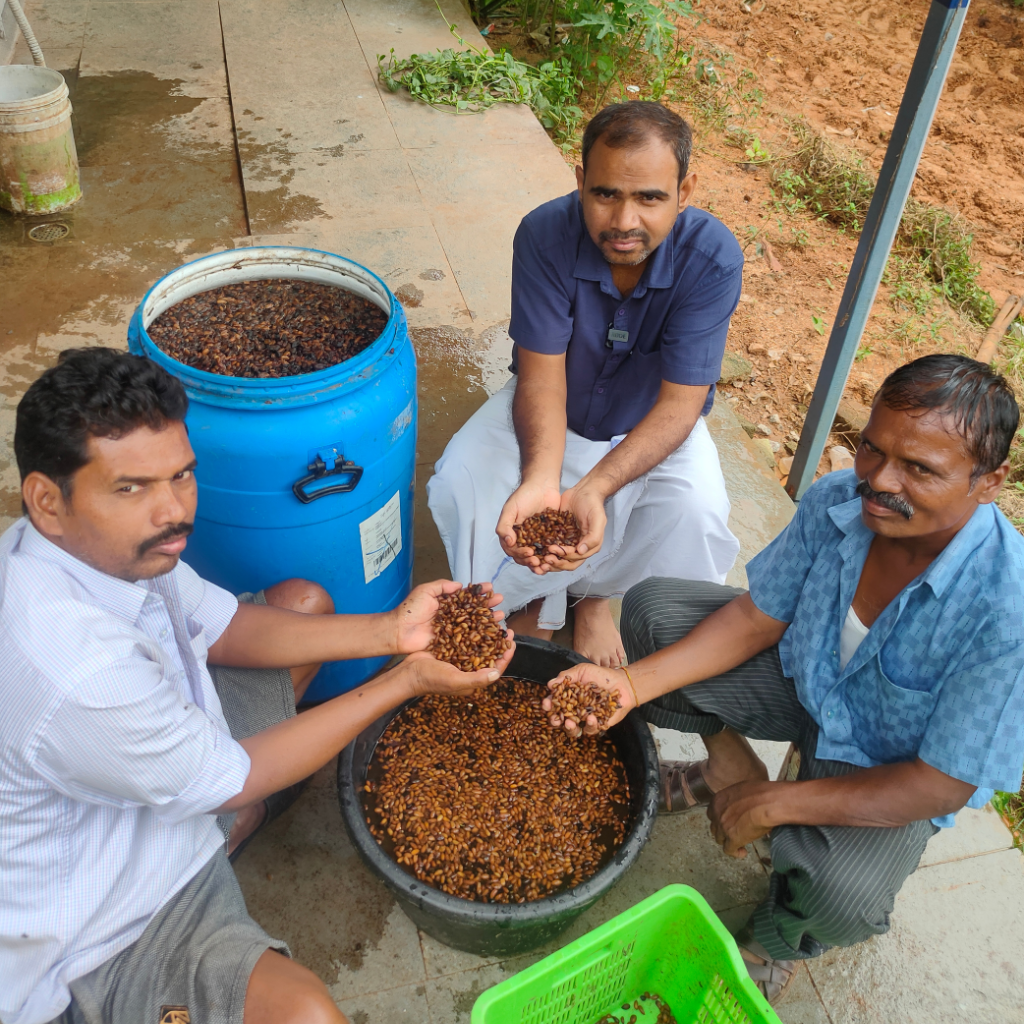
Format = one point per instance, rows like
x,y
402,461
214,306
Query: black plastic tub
x,y
497,929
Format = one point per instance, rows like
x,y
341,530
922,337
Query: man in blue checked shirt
x,y
137,703
883,635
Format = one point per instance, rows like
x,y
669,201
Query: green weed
x,y
863,352
472,80
703,78
932,253
824,181
606,38
1010,806
941,239
819,324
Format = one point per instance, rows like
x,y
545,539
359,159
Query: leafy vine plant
x,y
471,79
590,45
608,38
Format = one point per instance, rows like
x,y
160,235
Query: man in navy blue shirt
x,y
621,299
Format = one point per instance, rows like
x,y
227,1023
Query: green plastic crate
x,y
672,944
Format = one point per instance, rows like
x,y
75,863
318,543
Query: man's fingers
x,y
438,587
503,662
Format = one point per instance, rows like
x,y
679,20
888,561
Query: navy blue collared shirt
x,y
677,319
940,674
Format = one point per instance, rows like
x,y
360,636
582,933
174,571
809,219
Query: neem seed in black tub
x,y
501,929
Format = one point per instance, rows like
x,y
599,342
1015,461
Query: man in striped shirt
x,y
137,703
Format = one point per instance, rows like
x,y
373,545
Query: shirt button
x,y
621,312
829,714
600,391
163,634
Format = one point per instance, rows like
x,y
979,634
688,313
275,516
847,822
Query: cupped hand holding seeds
x,y
528,499
414,617
428,675
467,630
573,691
584,503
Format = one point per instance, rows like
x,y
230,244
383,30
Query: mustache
x,y
169,533
893,502
621,236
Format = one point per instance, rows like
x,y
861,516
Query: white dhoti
x,y
672,521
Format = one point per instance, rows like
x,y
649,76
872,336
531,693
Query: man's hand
x,y
428,675
414,617
587,504
526,500
740,814
613,680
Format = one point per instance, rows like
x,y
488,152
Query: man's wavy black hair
x,y
91,392
980,403
630,125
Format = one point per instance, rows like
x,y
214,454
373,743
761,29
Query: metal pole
x,y
909,134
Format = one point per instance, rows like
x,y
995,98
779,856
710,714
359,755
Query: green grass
x,y
932,255
473,80
1011,364
1011,808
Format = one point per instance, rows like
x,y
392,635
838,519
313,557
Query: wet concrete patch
x,y
304,883
120,117
409,295
276,210
156,164
452,367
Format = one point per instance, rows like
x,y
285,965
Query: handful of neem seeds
x,y
578,701
466,633
543,529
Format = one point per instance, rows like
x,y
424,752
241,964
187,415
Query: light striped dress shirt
x,y
114,753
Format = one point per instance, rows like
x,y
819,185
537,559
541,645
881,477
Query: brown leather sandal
x,y
683,787
772,977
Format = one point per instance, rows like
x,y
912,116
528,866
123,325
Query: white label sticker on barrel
x,y
381,538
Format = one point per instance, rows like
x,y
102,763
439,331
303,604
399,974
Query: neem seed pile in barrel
x,y
479,797
466,634
548,527
275,328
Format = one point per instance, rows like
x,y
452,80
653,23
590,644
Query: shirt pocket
x,y
197,639
889,721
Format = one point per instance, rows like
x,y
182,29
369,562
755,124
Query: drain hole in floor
x,y
49,232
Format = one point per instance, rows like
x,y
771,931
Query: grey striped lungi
x,y
831,885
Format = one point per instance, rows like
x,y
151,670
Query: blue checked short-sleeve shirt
x,y
940,674
677,318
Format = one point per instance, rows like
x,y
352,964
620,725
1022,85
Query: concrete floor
x,y
204,126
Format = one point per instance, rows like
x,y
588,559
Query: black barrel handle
x,y
318,470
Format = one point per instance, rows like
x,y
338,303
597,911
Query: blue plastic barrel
x,y
308,476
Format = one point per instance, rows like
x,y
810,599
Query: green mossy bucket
x,y
38,161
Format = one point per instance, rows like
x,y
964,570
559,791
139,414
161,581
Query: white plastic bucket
x,y
38,161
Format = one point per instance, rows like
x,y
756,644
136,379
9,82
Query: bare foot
x,y
595,635
247,820
524,622
731,759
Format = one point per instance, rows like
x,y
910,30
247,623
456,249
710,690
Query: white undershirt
x,y
850,638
